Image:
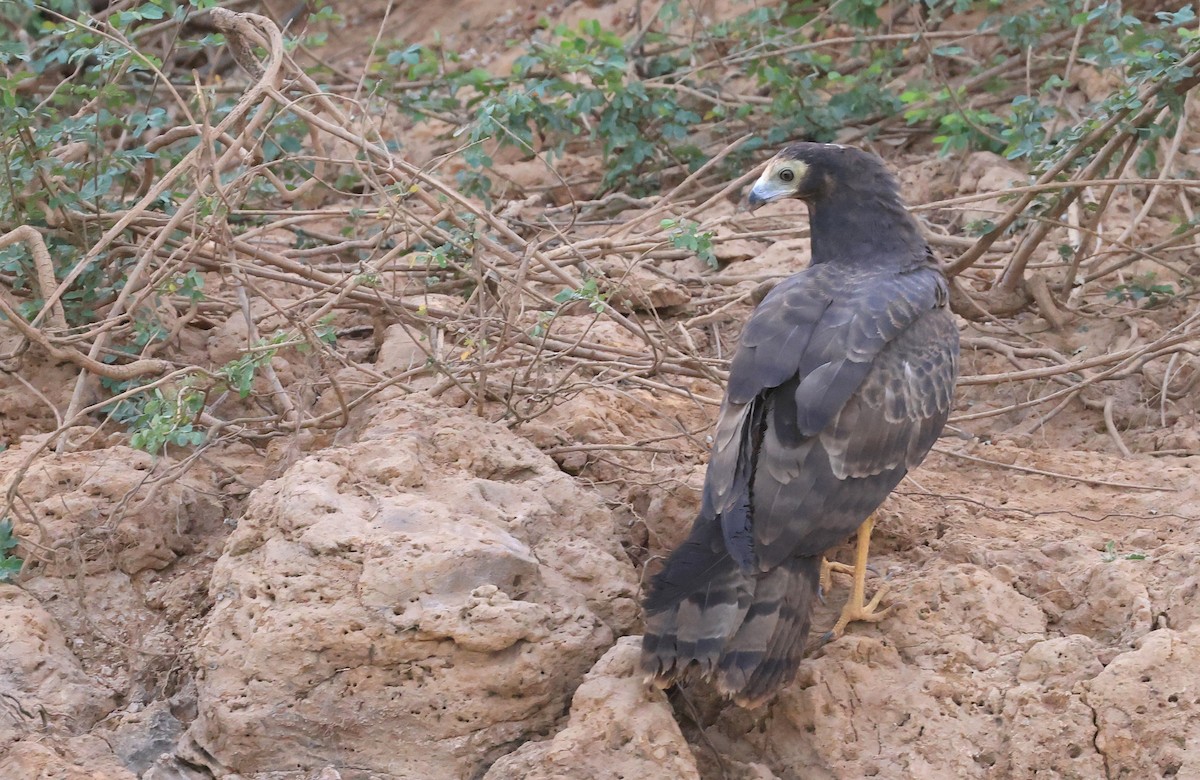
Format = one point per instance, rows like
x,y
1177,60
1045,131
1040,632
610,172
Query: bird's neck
x,y
855,228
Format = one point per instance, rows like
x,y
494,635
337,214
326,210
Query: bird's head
x,y
811,171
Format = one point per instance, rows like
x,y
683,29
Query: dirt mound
x,y
435,592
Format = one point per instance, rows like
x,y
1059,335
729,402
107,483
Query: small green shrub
x,y
10,564
1143,291
686,234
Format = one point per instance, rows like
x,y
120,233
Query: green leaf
x,y
10,567
7,540
152,11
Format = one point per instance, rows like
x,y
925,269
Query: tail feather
x,y
746,629
776,665
695,628
748,649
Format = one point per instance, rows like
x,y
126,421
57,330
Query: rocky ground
x,y
435,591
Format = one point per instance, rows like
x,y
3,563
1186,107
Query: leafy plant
x,y
687,235
582,84
458,247
643,100
588,291
158,418
187,284
960,129
161,419
82,151
1110,553
542,327
10,564
1143,290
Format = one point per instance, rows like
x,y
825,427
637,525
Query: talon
x,y
867,613
857,608
828,567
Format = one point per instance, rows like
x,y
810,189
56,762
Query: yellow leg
x,y
828,567
855,609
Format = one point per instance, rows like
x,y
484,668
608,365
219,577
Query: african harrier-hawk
x,y
840,385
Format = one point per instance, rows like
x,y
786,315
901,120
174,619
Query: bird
x,y
841,383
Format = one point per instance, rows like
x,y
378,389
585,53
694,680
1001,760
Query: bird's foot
x,y
856,610
828,567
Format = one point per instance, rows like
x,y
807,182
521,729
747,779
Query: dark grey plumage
x,y
841,383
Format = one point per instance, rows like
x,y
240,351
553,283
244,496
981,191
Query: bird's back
x,y
841,383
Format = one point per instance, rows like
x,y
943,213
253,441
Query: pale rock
x,y
986,172
929,179
737,250
110,604
1050,729
410,344
860,710
81,501
587,327
1147,707
41,680
619,728
230,339
783,257
437,590
80,758
633,288
404,348
1113,606
918,695
981,620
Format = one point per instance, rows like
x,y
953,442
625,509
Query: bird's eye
x,y
787,174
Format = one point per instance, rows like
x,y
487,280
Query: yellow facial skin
x,y
781,179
